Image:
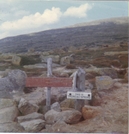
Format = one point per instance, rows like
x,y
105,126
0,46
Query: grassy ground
x,y
83,57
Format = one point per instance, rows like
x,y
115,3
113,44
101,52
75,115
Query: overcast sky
x,y
28,16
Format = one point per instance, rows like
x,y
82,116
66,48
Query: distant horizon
x,y
28,17
70,26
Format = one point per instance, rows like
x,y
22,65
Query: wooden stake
x,y
79,86
49,74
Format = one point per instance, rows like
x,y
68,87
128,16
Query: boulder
x,y
56,106
70,103
67,103
89,112
6,56
51,116
108,72
33,125
65,60
30,117
117,85
13,83
37,97
96,97
8,110
26,108
16,60
104,82
55,58
11,127
101,72
62,127
69,116
4,103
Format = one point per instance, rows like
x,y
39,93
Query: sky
x,y
28,16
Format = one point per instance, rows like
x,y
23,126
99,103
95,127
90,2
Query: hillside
x,y
89,34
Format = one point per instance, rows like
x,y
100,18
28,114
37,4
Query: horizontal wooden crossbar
x,y
48,82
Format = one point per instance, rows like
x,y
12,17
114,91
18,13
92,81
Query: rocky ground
x,y
107,112
106,77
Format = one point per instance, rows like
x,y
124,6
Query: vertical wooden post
x,y
49,74
79,86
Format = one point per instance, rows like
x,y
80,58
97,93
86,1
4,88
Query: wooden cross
x,y
78,84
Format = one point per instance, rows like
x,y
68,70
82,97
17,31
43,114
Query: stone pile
x,y
27,113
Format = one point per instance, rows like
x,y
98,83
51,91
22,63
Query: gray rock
x,y
108,72
16,60
63,71
26,108
51,116
70,103
67,103
4,103
47,126
56,106
30,117
65,60
37,97
14,82
104,82
33,125
6,56
11,127
62,127
55,58
8,110
69,116
102,71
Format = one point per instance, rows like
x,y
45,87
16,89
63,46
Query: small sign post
x,y
79,95
79,86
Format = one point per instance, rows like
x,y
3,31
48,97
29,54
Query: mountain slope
x,y
104,32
